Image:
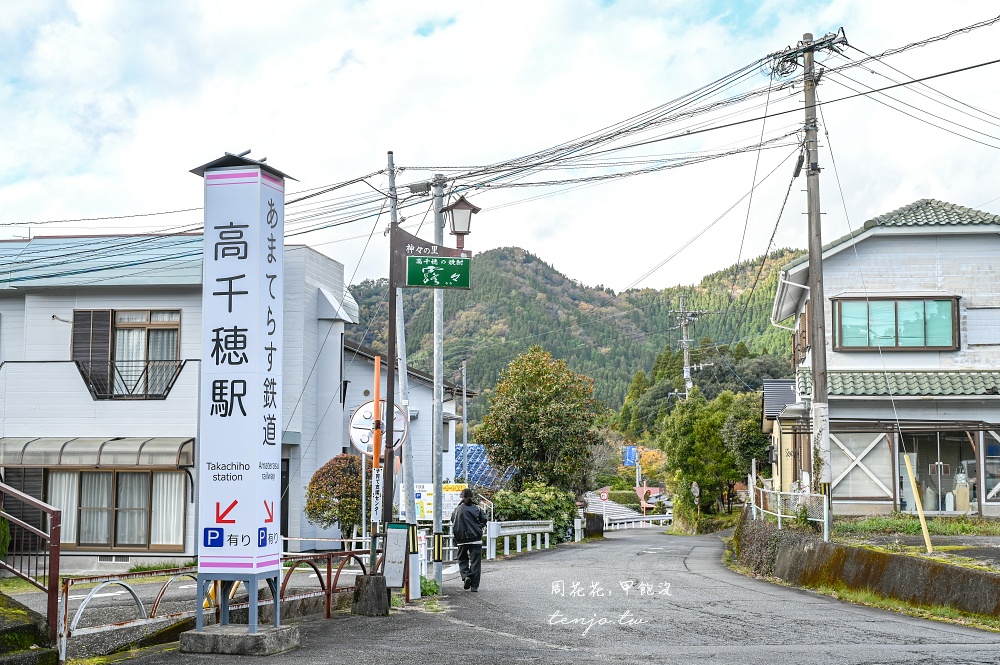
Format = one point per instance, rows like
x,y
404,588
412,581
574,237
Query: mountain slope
x,y
518,300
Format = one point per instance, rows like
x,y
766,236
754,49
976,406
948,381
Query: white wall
x,y
963,264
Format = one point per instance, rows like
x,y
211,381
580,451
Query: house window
x,y
120,509
127,353
901,324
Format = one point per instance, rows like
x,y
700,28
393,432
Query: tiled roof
x,y
925,212
906,384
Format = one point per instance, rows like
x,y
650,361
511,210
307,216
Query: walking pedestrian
x,y
467,522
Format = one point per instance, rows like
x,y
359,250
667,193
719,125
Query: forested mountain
x,y
518,300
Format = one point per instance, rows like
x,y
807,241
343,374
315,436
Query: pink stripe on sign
x,y
272,562
266,176
280,190
223,184
222,564
230,175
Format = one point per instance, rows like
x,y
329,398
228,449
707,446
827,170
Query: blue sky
x,y
104,106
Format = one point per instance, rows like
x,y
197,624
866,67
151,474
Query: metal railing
x,y
639,521
33,549
130,379
325,565
516,529
792,506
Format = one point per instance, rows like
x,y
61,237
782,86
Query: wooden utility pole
x,y
816,314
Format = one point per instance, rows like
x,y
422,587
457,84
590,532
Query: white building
x,y
912,316
99,361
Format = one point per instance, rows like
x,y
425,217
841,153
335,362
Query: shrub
x,y
334,494
538,501
429,587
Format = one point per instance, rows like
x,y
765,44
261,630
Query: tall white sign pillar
x,y
239,406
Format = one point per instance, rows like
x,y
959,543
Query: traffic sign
x,y
695,490
629,456
362,427
603,495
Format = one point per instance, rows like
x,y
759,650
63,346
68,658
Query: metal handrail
x,y
38,559
69,625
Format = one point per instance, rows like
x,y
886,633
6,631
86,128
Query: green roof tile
x,y
905,384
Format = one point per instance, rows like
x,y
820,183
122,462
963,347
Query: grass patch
x,y
936,612
901,524
397,599
12,586
707,524
161,565
433,604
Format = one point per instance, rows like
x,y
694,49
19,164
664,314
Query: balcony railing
x,y
130,379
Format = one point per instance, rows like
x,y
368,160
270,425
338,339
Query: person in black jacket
x,y
467,522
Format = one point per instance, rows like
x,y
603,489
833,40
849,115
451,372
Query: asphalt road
x,y
637,597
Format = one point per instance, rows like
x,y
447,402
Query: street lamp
x,y
460,215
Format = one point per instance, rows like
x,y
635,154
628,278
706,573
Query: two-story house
x,y
100,347
912,317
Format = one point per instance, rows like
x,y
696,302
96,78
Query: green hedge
x,y
626,498
537,501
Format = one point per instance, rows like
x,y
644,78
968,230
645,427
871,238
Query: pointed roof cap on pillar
x,y
229,160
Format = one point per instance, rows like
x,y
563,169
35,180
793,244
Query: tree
x,y
334,494
541,420
742,432
692,439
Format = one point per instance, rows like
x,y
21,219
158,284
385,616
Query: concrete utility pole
x,y
438,411
408,499
465,428
816,316
686,317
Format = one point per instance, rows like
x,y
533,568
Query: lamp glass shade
x,y
461,220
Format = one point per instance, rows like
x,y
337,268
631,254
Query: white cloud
x,y
105,106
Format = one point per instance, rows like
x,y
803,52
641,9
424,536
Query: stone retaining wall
x,y
803,559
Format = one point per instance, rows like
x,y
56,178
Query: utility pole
x,y
816,315
465,428
686,344
438,411
408,499
685,318
388,417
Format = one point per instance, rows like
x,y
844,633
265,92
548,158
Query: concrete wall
x,y
805,560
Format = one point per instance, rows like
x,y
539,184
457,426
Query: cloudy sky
x,y
105,106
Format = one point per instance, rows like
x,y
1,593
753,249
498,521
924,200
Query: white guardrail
x,y
508,530
636,522
792,506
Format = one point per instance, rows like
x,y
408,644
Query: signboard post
x,y
239,410
696,492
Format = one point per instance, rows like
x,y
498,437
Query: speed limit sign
x,y
603,495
